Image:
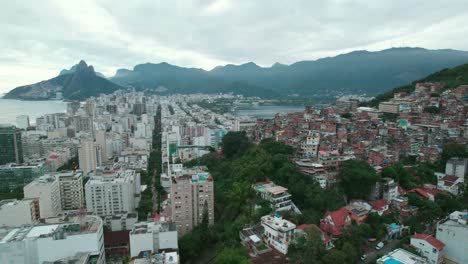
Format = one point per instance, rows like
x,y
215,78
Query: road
x,y
372,256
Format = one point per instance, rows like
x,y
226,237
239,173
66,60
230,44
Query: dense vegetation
x,y
451,77
234,173
151,177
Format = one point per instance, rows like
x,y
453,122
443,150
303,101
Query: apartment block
x,y
11,149
18,175
153,237
453,232
71,189
429,247
19,212
50,242
46,188
192,198
112,192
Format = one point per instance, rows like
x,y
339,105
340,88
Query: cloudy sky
x,y
39,38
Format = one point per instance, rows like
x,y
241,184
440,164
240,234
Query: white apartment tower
x,y
112,192
22,121
89,155
47,190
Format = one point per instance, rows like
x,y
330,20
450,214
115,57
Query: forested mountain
x,y
355,72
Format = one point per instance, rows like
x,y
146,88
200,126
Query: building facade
x,y
192,199
11,149
47,190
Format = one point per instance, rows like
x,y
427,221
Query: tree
x,y
234,143
453,150
358,177
346,115
308,248
432,110
334,256
447,203
231,256
389,172
275,147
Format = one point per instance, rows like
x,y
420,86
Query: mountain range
x,y
79,84
358,72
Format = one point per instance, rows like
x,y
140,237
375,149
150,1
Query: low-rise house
x,y
451,184
278,232
381,207
429,246
334,222
278,196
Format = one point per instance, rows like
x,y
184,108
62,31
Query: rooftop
x,y
90,224
278,223
401,256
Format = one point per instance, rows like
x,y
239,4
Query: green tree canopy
x,y
358,177
235,143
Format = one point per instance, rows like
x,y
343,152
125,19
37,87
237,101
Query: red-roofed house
x,y
380,206
334,222
450,183
301,230
423,193
429,246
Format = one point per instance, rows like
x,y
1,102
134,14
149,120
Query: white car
x,y
379,246
363,257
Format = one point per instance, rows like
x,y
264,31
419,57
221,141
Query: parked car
x,y
363,257
379,246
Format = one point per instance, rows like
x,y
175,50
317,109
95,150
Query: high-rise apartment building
x,y
11,149
112,192
22,121
71,189
47,190
192,200
89,155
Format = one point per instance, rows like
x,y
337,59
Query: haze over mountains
x,y
357,72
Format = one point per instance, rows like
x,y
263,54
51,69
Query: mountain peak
x,y
81,65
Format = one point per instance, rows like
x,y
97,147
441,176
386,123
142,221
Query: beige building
x,y
71,189
19,212
191,197
89,155
47,190
389,107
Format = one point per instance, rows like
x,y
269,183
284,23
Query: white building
x,y
453,232
19,212
22,121
451,184
401,256
278,196
429,247
112,192
51,242
89,155
46,189
121,221
153,236
71,189
457,167
278,232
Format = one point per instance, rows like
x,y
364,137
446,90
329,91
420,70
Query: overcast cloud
x,y
39,38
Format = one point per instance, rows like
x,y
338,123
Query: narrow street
x,y
374,254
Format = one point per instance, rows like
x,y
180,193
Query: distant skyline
x,y
37,40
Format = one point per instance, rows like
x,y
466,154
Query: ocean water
x,y
267,111
10,109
